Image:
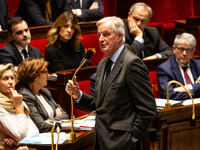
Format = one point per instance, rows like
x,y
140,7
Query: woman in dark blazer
x,y
44,110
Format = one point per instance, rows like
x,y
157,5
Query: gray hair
x,y
118,25
141,5
185,38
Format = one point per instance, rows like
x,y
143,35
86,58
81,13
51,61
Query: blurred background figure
x,y
41,12
4,15
87,10
64,49
15,123
44,110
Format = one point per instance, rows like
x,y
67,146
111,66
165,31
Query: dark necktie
x,y
25,53
78,4
108,67
187,78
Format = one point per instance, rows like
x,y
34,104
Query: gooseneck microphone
x,y
58,127
72,134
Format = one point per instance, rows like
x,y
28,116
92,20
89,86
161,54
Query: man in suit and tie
x,y
182,68
18,49
87,10
125,92
145,40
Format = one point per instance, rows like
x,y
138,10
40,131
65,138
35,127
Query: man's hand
x,y
181,89
198,80
73,88
134,29
58,112
94,5
74,12
149,57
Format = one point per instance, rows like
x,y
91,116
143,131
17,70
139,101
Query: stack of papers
x,y
45,138
160,102
87,123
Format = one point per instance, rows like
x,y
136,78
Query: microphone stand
x,y
168,105
72,134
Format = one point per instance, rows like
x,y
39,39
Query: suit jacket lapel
x,y
113,74
193,70
16,51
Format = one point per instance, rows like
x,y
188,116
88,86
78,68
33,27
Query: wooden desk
x,y
174,130
84,141
189,25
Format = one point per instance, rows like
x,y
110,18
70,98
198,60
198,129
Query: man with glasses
x,y
145,40
182,68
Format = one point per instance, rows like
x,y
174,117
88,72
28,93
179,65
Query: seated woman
x,y
33,75
15,123
64,49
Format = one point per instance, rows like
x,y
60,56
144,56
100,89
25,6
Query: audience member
x,y
182,68
44,110
87,10
123,88
41,12
4,15
145,40
15,123
64,49
14,52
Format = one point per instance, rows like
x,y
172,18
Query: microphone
x,y
72,134
58,127
89,54
153,139
101,110
168,105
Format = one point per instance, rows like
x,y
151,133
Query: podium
x,y
84,141
174,130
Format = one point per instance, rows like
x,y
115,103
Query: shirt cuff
x,y
78,100
190,89
158,55
141,40
79,13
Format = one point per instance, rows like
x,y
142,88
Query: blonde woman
x,y
15,123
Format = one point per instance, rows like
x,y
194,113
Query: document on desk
x,y
160,102
189,101
45,138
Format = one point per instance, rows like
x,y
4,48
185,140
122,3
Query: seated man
x,y
41,12
87,10
4,16
145,40
182,68
18,49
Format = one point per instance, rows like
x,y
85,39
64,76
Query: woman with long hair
x,y
64,49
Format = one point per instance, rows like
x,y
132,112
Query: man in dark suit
x,y
41,12
145,40
17,50
87,10
182,68
4,15
125,92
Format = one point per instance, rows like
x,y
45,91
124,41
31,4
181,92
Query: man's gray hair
x,y
141,5
185,38
118,25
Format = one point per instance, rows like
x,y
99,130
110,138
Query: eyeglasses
x,y
46,71
187,50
